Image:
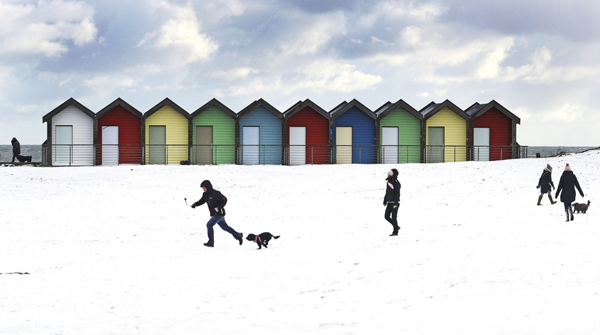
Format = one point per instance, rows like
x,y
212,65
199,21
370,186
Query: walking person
x,y
16,148
216,203
567,184
392,200
544,184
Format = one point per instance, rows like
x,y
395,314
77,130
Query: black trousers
x,y
391,215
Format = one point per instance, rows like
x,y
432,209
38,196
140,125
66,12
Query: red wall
x,y
130,135
317,134
500,133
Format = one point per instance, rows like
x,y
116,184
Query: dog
x,y
581,207
262,240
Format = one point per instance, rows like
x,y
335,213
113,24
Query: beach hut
x,y
494,131
260,132
166,133
70,134
213,134
399,127
353,133
306,133
119,129
445,128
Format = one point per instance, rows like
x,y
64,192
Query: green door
x,y
158,144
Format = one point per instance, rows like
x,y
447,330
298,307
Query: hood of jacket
x,y
207,184
14,140
394,175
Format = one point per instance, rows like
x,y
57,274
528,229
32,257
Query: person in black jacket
x,y
545,183
216,203
392,200
567,184
16,148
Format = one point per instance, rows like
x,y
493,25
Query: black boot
x,y
567,212
208,244
571,212
395,232
540,200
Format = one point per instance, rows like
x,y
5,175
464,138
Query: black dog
x,y
581,207
262,239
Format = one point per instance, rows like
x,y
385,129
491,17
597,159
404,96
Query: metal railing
x,y
163,154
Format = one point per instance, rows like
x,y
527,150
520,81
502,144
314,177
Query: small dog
x,y
581,207
262,239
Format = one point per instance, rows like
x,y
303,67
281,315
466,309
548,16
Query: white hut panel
x,y
72,138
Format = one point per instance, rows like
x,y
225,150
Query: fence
x,y
115,154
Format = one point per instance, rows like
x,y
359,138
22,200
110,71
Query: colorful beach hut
x,y
260,132
494,131
213,134
445,128
119,134
353,133
166,133
70,134
306,133
399,127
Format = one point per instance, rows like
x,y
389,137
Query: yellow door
x,y
343,145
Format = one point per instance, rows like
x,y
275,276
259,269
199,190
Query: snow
x,y
115,250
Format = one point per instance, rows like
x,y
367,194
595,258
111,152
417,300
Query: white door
x,y
343,145
63,152
481,144
110,145
389,141
297,145
251,147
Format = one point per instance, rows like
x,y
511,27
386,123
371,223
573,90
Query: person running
x,y
544,184
216,203
567,184
392,200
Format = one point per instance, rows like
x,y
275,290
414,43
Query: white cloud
x,y
46,28
235,73
180,37
567,112
314,34
329,75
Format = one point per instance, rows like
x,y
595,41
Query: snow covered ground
x,y
115,250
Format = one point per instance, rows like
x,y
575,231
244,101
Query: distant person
x,y
16,148
546,185
567,184
392,200
216,203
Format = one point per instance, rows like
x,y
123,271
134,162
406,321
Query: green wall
x,y
223,135
409,134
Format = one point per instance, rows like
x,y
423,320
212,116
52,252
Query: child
x,y
544,185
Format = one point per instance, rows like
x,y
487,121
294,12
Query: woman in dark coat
x,y
545,183
392,200
16,148
568,183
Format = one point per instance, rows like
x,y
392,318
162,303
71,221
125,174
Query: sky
x,y
540,59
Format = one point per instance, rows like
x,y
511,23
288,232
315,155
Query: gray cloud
x,y
575,20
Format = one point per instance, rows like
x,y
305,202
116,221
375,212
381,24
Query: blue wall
x,y
270,133
363,133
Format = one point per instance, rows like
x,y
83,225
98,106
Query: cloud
x,y
329,75
567,112
235,73
180,38
576,20
46,28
